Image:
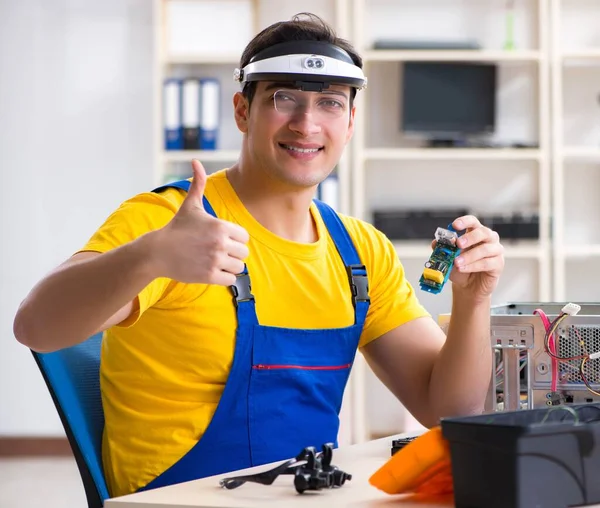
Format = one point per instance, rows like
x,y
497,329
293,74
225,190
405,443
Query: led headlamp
x,y
310,65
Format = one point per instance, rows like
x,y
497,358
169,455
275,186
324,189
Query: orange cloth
x,y
421,468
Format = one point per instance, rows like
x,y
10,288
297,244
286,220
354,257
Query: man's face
x,y
297,137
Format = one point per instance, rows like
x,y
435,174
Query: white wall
x,y
75,134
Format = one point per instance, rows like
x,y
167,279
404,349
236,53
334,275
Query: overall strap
x,y
241,290
357,272
185,185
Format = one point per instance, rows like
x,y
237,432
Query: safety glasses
x,y
326,105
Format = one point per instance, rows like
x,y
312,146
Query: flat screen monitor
x,y
448,100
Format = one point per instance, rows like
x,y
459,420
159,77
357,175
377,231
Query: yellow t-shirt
x,y
163,370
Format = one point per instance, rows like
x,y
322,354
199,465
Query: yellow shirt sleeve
x,y
393,299
134,218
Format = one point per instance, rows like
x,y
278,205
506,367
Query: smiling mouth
x,y
300,150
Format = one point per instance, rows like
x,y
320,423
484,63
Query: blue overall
x,y
285,387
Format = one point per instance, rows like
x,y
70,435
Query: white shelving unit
x,y
372,153
365,155
574,241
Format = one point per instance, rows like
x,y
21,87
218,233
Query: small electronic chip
x,y
440,263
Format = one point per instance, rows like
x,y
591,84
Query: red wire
x,y
551,346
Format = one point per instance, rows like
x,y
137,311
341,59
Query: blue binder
x,y
172,114
210,113
190,117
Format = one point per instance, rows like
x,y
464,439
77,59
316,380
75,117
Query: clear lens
x,y
324,105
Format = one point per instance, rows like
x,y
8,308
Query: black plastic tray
x,y
538,458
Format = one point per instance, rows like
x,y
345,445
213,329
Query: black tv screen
x,y
449,99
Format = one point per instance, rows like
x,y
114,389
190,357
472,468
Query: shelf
x,y
452,153
524,250
582,251
393,55
201,155
581,54
422,249
582,153
200,59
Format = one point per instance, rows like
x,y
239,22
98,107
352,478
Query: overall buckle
x,y
242,289
359,283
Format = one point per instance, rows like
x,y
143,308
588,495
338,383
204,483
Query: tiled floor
x,y
40,483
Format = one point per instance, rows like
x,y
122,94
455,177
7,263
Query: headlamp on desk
x,y
311,66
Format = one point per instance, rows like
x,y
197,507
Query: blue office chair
x,y
72,376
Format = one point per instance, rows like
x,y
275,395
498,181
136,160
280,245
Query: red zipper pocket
x,y
302,367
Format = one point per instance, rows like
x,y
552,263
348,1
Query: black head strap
x,y
304,47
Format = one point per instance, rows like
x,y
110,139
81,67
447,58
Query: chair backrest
x,y
72,376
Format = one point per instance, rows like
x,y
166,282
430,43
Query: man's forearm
x,y
462,372
74,301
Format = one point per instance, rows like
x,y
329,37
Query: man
x,y
233,306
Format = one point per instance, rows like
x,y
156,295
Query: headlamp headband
x,y
310,65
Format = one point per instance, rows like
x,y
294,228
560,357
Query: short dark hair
x,y
304,26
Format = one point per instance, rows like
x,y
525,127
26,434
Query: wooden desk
x,y
360,460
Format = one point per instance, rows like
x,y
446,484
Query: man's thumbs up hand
x,y
196,191
195,247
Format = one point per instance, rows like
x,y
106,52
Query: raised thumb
x,y
196,190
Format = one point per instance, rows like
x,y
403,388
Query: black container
x,y
414,224
537,458
515,226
